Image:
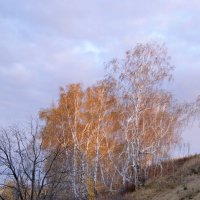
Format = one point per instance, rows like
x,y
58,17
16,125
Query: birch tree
x,y
70,130
150,117
98,110
115,129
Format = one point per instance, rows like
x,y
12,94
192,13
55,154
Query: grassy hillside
x,y
181,181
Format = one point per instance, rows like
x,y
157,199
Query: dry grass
x,y
181,182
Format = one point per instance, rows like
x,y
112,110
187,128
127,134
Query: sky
x,y
45,44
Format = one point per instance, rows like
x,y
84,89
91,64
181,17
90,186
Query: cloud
x,y
46,44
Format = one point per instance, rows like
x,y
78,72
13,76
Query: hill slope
x,y
180,181
183,182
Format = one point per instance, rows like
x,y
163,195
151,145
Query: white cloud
x,y
46,44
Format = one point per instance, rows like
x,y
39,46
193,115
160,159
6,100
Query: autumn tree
x,y
150,118
80,122
65,125
99,113
115,129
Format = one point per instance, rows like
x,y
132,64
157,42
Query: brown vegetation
x,y
181,182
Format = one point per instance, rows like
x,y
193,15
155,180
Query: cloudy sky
x,y
45,44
